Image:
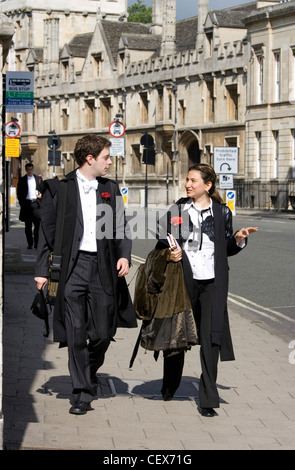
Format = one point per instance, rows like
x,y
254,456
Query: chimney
x,y
51,41
157,18
203,8
169,27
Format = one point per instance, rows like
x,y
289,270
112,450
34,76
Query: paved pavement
x,y
257,390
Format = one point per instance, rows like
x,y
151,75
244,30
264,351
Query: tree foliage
x,y
139,12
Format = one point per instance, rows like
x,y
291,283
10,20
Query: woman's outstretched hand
x,y
244,233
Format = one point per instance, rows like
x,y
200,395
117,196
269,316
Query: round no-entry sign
x,y
12,129
117,129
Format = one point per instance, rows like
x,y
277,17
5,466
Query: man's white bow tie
x,y
87,185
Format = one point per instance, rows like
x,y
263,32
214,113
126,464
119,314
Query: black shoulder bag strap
x,y
56,255
223,213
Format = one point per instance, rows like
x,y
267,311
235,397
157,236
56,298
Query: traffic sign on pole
x,y
12,148
226,160
117,129
231,201
124,192
54,141
117,147
12,129
19,92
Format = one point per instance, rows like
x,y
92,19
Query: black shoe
x,y
80,408
208,412
167,396
29,247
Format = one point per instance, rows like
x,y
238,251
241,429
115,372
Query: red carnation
x,y
176,221
105,196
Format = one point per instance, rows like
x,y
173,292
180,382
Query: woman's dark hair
x,y
89,145
208,176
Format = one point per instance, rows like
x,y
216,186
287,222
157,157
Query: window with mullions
x,y
258,154
65,70
65,119
97,65
182,112
105,110
210,101
276,154
170,107
89,113
277,59
293,153
232,100
259,79
144,108
292,81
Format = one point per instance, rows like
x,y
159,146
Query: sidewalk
x,y
257,390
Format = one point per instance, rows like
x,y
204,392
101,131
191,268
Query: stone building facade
x,y
222,79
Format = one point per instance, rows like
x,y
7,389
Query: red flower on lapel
x,y
106,197
176,221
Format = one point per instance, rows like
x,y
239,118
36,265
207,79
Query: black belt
x,y
31,200
90,253
204,282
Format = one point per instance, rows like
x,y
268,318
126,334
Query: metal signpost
x,y
18,97
148,158
117,131
54,155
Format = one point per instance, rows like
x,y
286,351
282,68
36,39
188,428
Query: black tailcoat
x,y
22,191
109,249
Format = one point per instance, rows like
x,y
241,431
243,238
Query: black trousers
x,y
90,325
32,222
209,353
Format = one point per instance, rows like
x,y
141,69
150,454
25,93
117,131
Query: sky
x,y
188,8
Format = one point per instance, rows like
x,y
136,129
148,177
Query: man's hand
x,y
40,282
122,267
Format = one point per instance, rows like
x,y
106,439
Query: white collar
x,y
82,177
190,204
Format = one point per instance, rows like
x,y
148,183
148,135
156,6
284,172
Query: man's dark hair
x,y
29,165
89,145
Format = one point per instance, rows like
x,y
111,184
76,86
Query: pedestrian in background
x,y
29,193
204,232
92,298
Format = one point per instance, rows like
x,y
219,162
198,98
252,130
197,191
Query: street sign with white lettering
x,y
19,92
226,181
117,147
226,160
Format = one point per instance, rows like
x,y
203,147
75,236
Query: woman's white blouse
x,y
199,248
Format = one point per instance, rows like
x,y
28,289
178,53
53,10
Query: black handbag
x,y
39,309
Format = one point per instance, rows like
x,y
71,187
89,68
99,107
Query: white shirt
x,y
88,202
32,193
201,260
